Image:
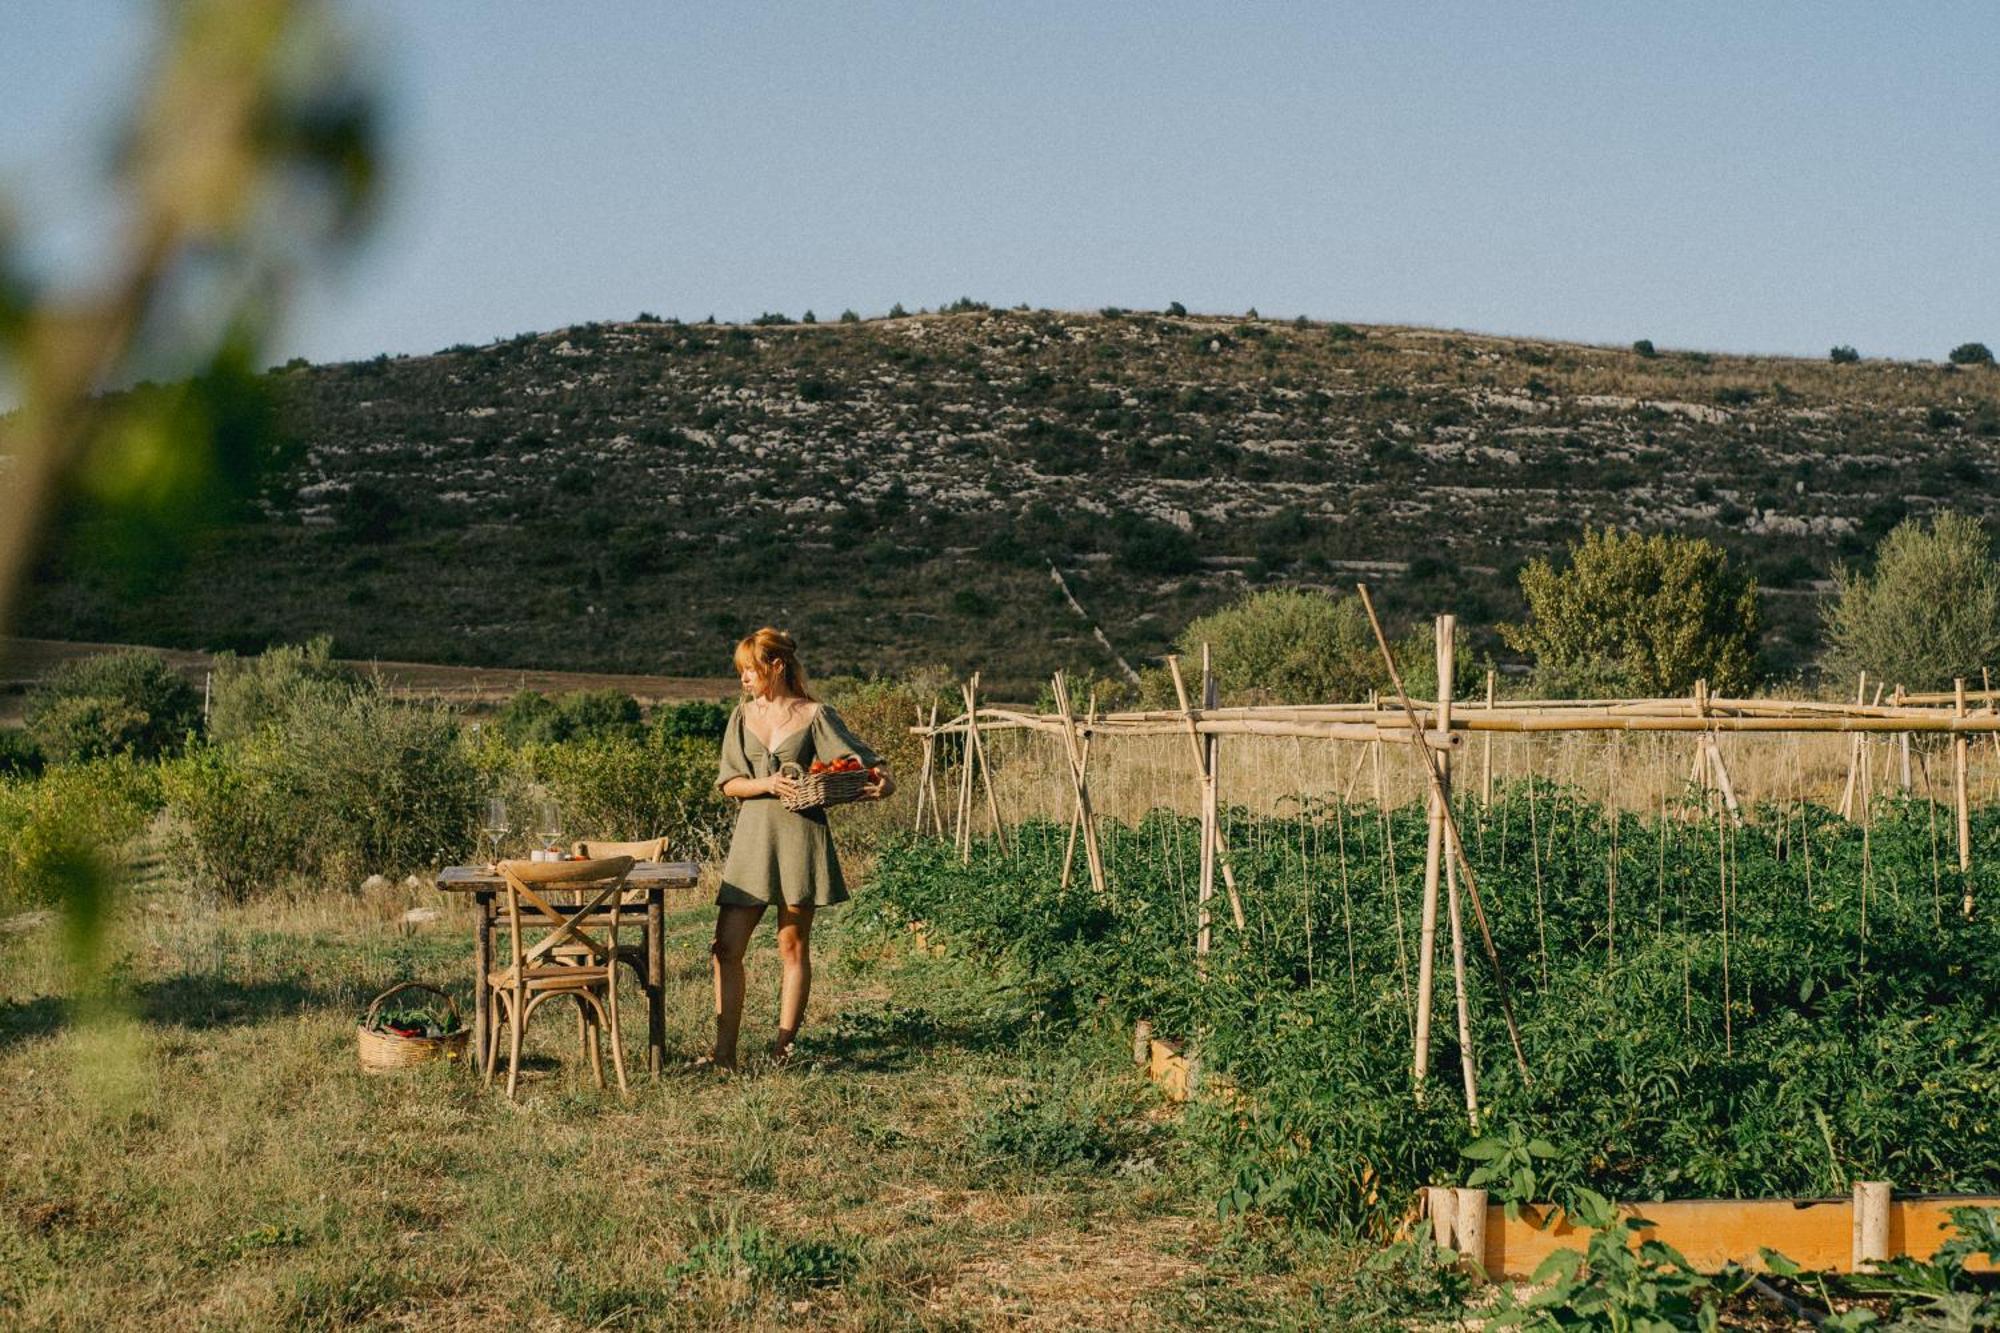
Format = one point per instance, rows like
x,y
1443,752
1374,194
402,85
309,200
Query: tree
x,y
129,702
255,692
1929,612
1843,355
1644,347
1639,615
1972,354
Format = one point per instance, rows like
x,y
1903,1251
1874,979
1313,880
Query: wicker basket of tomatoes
x,y
839,782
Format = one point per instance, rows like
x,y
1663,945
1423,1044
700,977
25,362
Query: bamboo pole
x,y
1085,822
1903,746
1446,627
1195,731
1964,810
1854,755
924,778
985,766
1457,845
1486,767
964,823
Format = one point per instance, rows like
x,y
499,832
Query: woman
x,y
777,857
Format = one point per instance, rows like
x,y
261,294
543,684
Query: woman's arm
x,y
746,788
835,740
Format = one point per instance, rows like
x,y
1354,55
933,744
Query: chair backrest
x,y
594,887
646,849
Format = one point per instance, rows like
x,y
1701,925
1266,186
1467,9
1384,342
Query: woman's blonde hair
x,y
771,650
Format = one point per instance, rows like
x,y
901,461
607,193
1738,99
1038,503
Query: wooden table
x,y
656,879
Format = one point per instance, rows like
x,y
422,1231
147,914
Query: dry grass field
x,y
216,1160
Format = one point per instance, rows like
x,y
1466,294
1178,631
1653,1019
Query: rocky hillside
x,y
632,496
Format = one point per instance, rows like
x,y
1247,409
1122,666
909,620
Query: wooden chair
x,y
576,954
647,849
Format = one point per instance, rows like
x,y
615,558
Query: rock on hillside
x,y
632,496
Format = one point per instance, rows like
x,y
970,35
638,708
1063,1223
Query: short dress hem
x,y
779,856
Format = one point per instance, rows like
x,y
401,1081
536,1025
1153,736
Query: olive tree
x,y
1929,611
1638,615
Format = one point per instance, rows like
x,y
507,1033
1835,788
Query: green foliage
x,y
623,787
1639,615
127,702
19,756
1403,1279
76,819
1928,612
691,719
1939,1294
249,693
1844,355
1644,347
532,718
752,1253
1176,310
1290,645
1971,354
1613,1284
340,786
1863,1011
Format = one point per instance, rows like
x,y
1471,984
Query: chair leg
x,y
586,1023
520,1020
617,1037
495,1012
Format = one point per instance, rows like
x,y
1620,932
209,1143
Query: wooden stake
x,y
1085,821
1903,744
1854,755
1958,757
985,765
924,779
1457,844
1486,771
1468,1068
1221,845
967,692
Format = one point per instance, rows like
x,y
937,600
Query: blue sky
x,y
1775,177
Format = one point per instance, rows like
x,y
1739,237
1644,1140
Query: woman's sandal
x,y
708,1064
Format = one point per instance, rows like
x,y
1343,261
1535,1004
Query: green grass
x,y
949,1152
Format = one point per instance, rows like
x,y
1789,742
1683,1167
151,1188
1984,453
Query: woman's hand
x,y
881,787
780,786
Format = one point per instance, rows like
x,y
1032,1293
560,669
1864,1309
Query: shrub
x,y
73,816
1971,354
367,512
253,692
849,317
1929,612
693,719
769,318
1147,546
1843,355
128,702
1639,615
625,787
896,311
1176,309
18,755
531,717
1644,347
339,787
809,318
1281,645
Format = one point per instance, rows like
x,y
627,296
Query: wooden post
x,y
1958,757
985,768
1221,846
1469,1226
1441,1202
1486,767
1854,754
1085,821
924,779
1903,745
1446,632
1871,1223
964,825
1420,1064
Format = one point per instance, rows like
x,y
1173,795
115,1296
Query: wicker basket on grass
x,y
382,1049
818,789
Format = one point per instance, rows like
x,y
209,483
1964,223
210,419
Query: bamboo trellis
x,y
1435,731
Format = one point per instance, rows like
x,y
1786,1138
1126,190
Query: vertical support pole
x,y
1441,1202
1958,758
1085,820
924,777
1446,632
1210,823
1871,1224
1854,754
964,825
1486,766
1903,745
1427,931
1470,1225
985,769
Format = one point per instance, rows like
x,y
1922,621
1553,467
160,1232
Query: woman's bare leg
x,y
795,948
732,937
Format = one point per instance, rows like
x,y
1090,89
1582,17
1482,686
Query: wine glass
x,y
496,827
551,823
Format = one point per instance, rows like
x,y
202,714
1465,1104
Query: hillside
x,y
630,497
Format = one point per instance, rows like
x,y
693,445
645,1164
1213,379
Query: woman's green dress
x,y
778,855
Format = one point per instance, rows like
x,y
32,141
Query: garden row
x,y
1706,1010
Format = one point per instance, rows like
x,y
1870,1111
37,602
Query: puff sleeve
x,y
735,761
832,739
